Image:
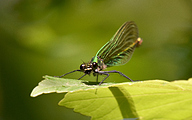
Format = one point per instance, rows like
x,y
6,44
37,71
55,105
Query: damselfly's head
x,y
88,67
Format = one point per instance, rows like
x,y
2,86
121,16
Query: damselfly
x,y
117,51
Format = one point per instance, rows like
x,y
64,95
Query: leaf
x,y
60,85
152,99
114,103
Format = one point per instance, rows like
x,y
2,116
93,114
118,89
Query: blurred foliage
x,y
54,37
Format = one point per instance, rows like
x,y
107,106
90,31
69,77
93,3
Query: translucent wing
x,y
120,48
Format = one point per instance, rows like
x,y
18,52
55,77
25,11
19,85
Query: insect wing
x,y
120,48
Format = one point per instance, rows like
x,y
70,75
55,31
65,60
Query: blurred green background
x,y
52,37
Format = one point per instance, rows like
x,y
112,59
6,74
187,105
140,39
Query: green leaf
x,y
60,85
113,103
152,99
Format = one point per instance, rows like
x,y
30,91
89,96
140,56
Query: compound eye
x,y
94,65
82,66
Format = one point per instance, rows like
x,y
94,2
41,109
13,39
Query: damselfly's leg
x,y
97,77
103,72
68,73
114,71
82,76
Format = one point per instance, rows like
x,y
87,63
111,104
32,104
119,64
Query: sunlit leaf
x,y
152,99
60,85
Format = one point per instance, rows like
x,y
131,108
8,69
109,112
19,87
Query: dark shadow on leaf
x,y
125,102
91,83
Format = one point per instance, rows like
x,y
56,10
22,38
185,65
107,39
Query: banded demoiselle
x,y
115,52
